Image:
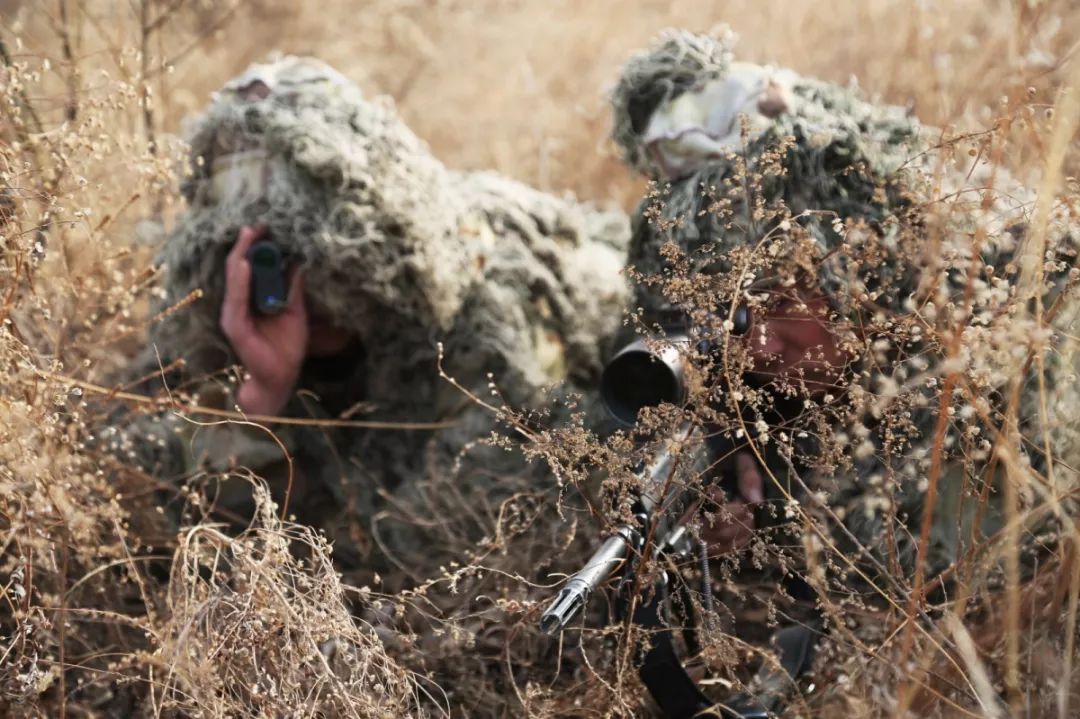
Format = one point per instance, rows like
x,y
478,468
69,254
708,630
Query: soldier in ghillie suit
x,y
391,257
886,284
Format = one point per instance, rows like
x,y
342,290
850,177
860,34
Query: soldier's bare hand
x,y
270,348
733,525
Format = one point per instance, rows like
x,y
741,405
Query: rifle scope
x,y
647,372
643,374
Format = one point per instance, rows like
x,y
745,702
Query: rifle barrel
x,y
575,593
617,547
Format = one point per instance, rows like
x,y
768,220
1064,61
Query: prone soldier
x,y
823,201
335,260
894,320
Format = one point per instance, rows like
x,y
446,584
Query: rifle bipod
x,y
665,675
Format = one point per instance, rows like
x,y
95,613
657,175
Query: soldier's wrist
x,y
256,398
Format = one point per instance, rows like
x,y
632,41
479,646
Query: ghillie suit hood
x,y
763,178
815,146
522,290
395,247
685,103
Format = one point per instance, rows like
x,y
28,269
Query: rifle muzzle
x,y
575,594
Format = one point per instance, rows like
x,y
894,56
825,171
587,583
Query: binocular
x,y
269,277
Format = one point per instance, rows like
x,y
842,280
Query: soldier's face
x,y
792,340
325,338
327,341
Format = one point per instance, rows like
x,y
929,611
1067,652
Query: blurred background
x,y
520,87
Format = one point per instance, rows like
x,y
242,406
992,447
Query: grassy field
x,y
94,95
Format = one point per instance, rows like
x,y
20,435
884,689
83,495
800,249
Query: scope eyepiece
x,y
741,320
269,277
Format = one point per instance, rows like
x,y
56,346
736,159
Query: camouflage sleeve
x,y
882,499
179,447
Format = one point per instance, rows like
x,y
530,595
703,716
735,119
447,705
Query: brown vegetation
x,y
104,613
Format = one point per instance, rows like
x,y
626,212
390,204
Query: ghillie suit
x,y
521,289
767,181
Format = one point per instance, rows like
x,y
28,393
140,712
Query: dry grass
x,y
92,619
